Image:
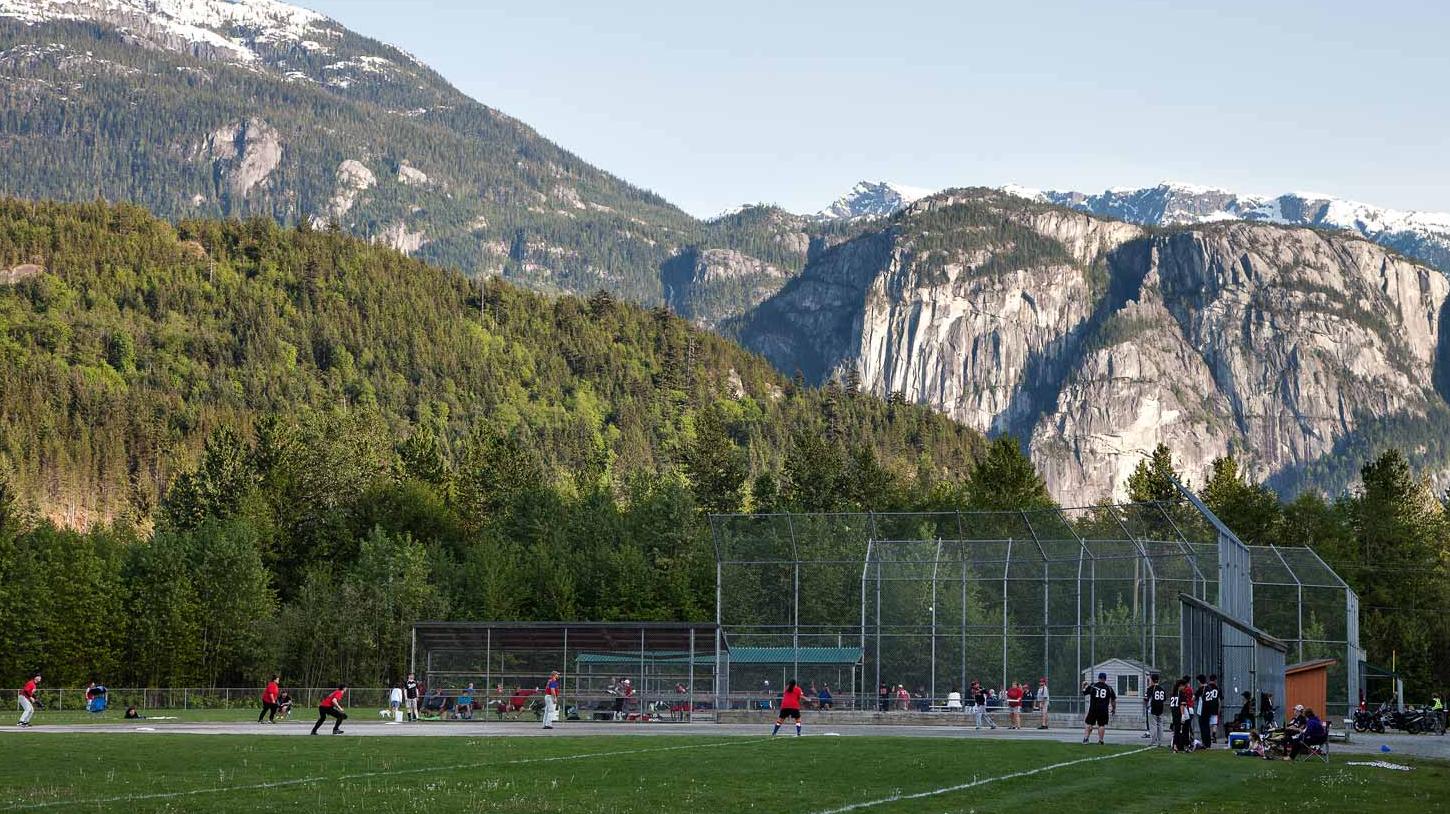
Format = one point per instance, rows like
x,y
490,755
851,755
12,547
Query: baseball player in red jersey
x,y
790,707
269,701
27,700
331,707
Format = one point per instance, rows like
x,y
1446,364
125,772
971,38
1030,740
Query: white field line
x,y
303,781
895,798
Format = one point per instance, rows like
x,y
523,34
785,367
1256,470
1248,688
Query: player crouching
x,y
790,707
331,707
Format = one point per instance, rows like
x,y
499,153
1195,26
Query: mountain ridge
x,y
1093,339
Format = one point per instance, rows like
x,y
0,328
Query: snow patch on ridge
x,y
215,24
872,199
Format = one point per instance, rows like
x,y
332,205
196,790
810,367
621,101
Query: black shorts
x,y
1096,717
790,713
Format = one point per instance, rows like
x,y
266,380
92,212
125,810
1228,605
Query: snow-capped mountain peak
x,y
225,29
872,199
1424,236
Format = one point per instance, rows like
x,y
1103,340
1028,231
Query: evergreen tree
x,y
216,488
1005,479
1401,535
1252,511
716,467
1153,478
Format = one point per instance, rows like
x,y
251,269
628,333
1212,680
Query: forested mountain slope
x,y
215,108
127,341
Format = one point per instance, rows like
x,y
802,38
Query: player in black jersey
x,y
1208,718
1157,699
1102,702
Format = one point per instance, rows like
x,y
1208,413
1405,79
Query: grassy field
x,y
209,773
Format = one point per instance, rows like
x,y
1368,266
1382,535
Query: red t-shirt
x,y
269,695
333,700
791,699
1014,697
1187,695
29,689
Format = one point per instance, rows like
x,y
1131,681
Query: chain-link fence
x,y
933,602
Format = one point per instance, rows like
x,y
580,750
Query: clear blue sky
x,y
793,101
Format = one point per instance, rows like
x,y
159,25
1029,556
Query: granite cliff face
x,y
1094,340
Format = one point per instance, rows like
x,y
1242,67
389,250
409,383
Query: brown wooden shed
x,y
1307,683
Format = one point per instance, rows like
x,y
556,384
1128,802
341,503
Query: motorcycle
x,y
1365,721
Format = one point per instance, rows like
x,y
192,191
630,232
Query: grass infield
x,y
213,773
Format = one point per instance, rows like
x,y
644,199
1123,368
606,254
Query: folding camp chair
x,y
1319,751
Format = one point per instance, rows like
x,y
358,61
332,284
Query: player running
x,y
269,701
790,707
551,700
411,692
331,707
27,700
1102,702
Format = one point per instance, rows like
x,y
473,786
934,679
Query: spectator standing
x,y
1266,710
1042,699
1246,713
903,698
1157,697
411,692
27,700
395,700
1014,706
979,706
331,707
269,701
1102,703
790,707
883,698
551,700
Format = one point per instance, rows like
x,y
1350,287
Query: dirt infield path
x,y
1431,746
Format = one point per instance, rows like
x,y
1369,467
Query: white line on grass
x,y
979,782
303,781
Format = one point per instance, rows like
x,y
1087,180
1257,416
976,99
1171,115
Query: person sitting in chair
x,y
1314,734
463,709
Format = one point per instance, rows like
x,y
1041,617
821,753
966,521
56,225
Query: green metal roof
x,y
792,655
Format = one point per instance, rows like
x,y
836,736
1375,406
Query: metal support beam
x,y
1006,566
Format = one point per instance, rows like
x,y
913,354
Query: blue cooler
x,y
1238,740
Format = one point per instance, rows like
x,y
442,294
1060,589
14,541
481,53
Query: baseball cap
x,y
1103,676
1298,707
